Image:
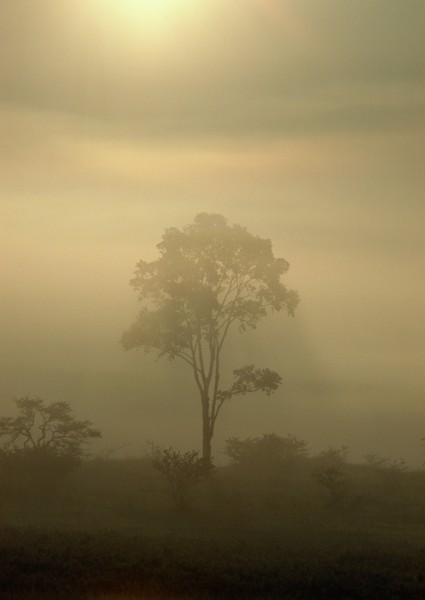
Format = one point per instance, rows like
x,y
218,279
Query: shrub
x,y
330,474
270,451
182,470
391,472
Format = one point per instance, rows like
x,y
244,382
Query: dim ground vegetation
x,y
110,531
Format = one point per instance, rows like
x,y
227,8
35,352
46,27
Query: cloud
x,y
238,69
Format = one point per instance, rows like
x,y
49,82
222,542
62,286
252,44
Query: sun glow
x,y
153,11
146,21
148,6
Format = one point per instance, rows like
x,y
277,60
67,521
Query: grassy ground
x,y
111,533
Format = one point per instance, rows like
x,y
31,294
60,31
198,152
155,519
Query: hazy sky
x,y
302,120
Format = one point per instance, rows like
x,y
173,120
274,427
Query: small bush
x,y
183,471
390,472
269,452
330,473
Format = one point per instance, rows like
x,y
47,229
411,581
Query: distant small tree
x,y
330,474
269,452
43,440
182,470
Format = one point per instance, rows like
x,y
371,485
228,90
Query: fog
x,y
302,122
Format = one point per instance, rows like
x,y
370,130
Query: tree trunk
x,y
206,430
206,449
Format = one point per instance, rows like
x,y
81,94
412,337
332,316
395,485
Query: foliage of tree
x,y
209,277
183,471
270,451
43,438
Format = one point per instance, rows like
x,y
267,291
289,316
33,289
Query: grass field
x,y
110,532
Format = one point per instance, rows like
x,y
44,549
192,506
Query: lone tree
x,y
209,277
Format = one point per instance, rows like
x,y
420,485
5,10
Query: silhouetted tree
x,y
183,471
209,277
43,440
